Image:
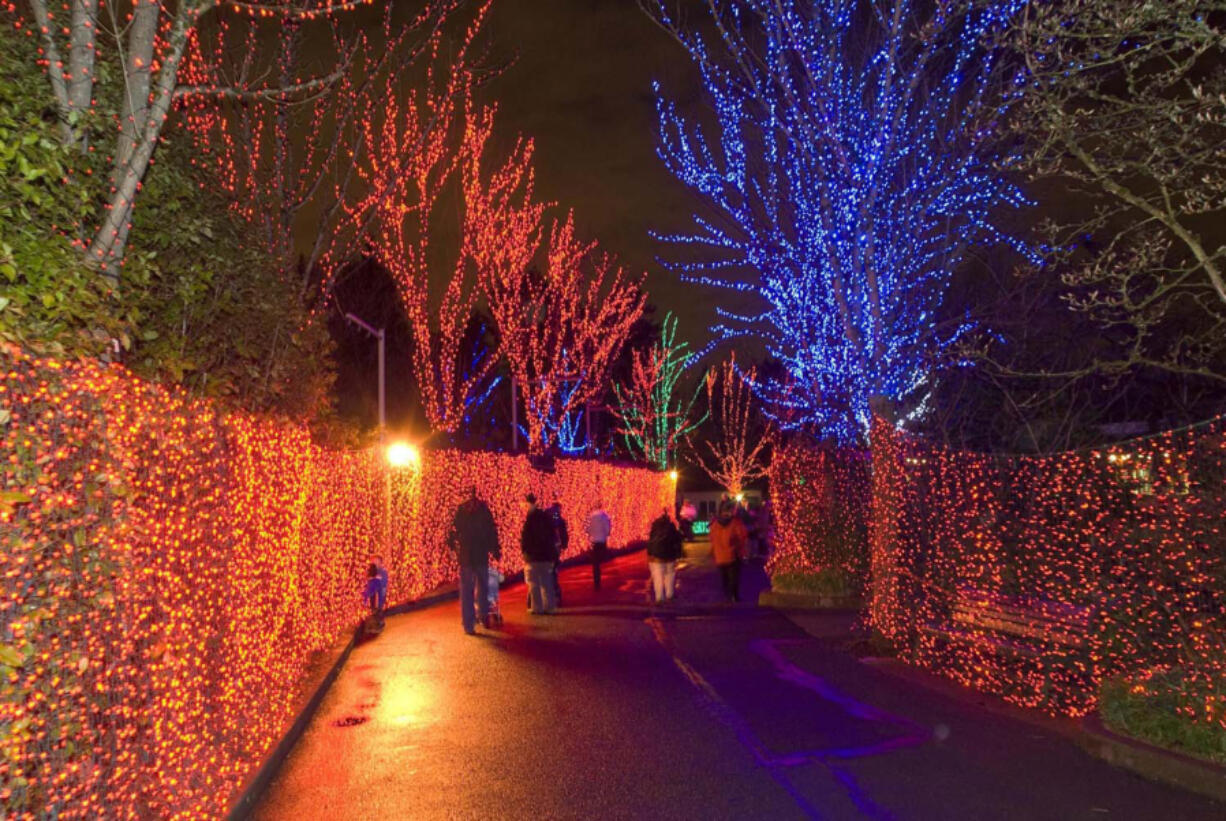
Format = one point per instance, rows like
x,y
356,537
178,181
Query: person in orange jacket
x,y
729,539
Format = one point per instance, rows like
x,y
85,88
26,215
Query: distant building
x,y
707,502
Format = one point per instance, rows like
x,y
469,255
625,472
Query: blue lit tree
x,y
851,162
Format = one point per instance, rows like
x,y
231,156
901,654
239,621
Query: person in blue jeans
x,y
383,582
474,538
538,541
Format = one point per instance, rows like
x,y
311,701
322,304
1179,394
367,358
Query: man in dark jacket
x,y
474,538
539,543
664,548
563,538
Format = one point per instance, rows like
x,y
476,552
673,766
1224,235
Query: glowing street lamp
x,y
674,475
402,455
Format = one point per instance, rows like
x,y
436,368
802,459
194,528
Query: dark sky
x,y
581,87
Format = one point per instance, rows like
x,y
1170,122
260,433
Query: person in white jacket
x,y
599,526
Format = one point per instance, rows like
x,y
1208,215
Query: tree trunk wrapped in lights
x,y
139,57
275,177
853,161
737,455
655,418
561,328
496,204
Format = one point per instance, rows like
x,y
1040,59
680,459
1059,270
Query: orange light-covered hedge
x,y
168,572
1128,540
820,499
1126,543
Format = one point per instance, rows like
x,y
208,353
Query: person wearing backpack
x,y
562,536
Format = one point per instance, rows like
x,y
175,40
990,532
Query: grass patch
x,y
1167,709
830,581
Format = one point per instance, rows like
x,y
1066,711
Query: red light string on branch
x,y
654,417
562,327
168,572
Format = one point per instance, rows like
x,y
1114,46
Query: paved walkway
x,y
704,711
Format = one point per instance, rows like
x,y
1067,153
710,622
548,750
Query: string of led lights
x,y
562,327
820,498
655,419
852,163
168,570
737,452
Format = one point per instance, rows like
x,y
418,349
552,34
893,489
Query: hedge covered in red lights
x,y
169,571
1037,578
820,500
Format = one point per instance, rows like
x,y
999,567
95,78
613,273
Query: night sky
x,y
581,87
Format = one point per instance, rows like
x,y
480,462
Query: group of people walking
x,y
543,540
729,548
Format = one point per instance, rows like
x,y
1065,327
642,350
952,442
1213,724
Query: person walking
x,y
599,527
538,541
728,541
372,624
664,548
474,538
562,537
384,579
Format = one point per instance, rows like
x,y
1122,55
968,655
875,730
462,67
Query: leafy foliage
x,y
50,301
197,305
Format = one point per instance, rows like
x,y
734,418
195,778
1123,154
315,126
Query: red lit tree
x,y
499,227
340,175
736,456
561,328
133,56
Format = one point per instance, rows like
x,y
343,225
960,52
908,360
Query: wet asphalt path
x,y
611,710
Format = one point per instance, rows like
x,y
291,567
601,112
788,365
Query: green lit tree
x,y
655,417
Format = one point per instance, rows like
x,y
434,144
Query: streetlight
x,y
378,334
674,475
402,455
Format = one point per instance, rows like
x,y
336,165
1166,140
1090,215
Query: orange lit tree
x,y
736,456
655,417
561,327
117,69
363,128
499,226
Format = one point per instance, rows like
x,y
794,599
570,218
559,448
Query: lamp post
x,y
377,333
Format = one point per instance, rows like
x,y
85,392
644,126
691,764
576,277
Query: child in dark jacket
x,y
371,593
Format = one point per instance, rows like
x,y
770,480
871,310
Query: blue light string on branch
x,y
851,164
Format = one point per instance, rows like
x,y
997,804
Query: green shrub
x,y
199,302
829,581
1167,708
